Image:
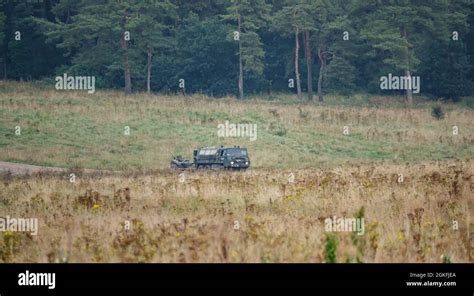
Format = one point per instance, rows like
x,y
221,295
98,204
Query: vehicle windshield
x,y
236,152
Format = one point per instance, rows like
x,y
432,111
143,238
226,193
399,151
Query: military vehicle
x,y
221,158
215,158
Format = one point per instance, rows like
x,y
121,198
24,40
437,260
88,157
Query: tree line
x,y
238,47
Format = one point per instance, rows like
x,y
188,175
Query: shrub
x,y
330,249
437,112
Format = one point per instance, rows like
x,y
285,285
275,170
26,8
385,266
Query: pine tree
x,y
249,16
97,37
396,29
206,58
335,46
151,26
3,57
295,18
330,21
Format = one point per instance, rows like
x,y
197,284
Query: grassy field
x,y
68,129
400,169
255,216
244,217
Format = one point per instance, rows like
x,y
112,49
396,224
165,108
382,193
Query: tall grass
x,y
278,220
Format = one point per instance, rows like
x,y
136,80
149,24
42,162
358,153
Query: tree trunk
x,y
409,91
309,63
241,67
148,74
68,16
126,66
322,66
297,70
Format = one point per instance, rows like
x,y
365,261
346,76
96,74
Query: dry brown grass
x,y
279,221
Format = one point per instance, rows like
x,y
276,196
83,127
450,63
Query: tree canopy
x,y
223,47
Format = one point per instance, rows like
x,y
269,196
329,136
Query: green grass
x,y
68,129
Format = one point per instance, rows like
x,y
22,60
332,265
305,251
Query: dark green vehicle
x,y
221,158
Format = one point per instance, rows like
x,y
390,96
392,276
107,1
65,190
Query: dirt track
x,y
19,168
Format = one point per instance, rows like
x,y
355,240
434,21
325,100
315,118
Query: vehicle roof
x,y
214,148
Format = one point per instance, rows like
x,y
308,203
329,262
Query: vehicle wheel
x,y
217,167
174,166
